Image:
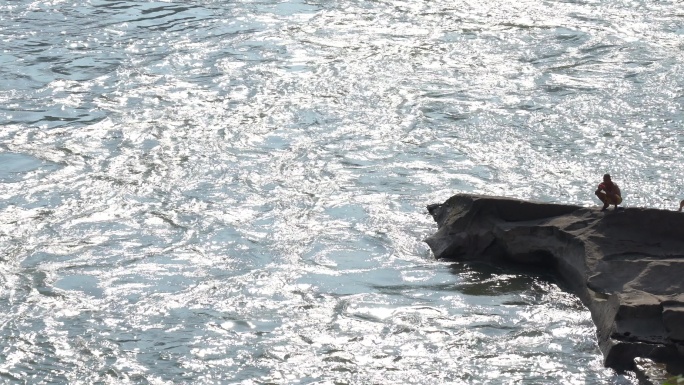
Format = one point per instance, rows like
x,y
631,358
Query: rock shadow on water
x,y
485,279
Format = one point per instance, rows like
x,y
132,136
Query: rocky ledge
x,y
627,266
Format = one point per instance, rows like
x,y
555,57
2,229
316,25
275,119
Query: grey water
x,y
234,192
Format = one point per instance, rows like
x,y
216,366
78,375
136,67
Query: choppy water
x,y
234,192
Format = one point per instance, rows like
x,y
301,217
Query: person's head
x,y
606,178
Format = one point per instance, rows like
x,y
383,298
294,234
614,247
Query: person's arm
x,y
600,187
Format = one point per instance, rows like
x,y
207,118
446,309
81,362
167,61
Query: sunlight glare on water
x,y
235,192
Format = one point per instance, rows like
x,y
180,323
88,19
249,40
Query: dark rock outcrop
x,y
627,266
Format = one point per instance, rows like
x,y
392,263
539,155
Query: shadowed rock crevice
x,y
626,266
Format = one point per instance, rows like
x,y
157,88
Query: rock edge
x,y
626,266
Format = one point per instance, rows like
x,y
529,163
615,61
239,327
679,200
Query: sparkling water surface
x,y
234,192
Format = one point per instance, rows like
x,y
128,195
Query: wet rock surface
x,y
627,266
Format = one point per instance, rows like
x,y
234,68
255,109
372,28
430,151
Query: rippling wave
x,y
234,192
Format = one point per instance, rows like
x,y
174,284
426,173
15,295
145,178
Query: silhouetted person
x,y
609,193
681,205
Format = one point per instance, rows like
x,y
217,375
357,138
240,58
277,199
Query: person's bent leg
x,y
616,201
604,198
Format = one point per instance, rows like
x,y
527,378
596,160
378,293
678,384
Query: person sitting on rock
x,y
609,193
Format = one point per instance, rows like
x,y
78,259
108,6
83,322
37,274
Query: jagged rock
x,y
627,266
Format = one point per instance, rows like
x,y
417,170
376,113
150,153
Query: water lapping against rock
x,y
234,192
